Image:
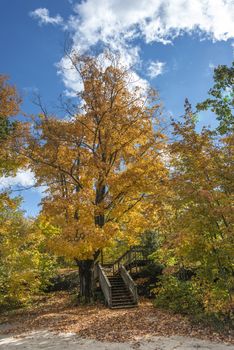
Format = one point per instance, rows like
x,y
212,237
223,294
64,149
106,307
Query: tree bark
x,y
86,294
86,267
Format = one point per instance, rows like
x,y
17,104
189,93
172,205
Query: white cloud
x,y
155,68
70,76
23,178
117,24
232,45
43,16
154,20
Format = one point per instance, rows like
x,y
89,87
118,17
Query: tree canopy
x,y
114,180
221,101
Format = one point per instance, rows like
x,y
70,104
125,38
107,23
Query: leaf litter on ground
x,y
57,314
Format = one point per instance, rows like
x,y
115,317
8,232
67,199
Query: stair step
x,y
116,281
114,297
123,304
121,297
121,292
118,285
125,300
122,301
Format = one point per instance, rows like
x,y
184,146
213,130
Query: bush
x,y
25,265
67,280
147,278
178,296
206,302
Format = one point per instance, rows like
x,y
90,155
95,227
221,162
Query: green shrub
x,y
25,265
147,278
207,302
178,296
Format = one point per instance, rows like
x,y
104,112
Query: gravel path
x,y
69,341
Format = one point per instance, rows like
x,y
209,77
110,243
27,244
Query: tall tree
x,y
25,265
201,235
20,257
9,107
100,166
221,101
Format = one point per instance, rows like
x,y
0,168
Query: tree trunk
x,y
86,276
86,267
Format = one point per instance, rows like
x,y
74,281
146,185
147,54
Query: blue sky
x,y
173,45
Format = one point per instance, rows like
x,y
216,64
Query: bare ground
x,y
54,320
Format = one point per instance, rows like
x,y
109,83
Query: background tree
x,y
9,107
222,98
201,236
25,265
100,166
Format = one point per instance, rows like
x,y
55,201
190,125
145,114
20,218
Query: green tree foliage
x,y
25,266
200,236
9,107
221,101
178,296
149,242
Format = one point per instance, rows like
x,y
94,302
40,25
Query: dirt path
x,y
48,318
47,340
